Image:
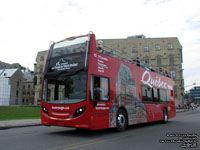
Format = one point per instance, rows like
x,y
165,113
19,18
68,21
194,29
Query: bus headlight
x,y
45,110
79,111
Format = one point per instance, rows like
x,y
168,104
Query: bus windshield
x,y
66,89
70,46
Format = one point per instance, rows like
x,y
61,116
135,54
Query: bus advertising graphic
x,y
85,85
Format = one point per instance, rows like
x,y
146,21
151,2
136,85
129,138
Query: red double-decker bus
x,y
86,86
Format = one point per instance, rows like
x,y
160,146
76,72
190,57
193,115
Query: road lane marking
x,y
106,139
91,142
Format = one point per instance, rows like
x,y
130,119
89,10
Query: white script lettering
x,y
148,80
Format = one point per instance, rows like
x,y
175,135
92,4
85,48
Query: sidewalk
x,y
19,123
181,110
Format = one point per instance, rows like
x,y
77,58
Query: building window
x,y
40,80
173,74
123,50
171,60
175,92
41,69
42,58
159,61
146,61
29,86
17,93
24,86
170,46
157,47
146,48
134,50
17,83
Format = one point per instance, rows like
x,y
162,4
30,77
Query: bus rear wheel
x,y
165,116
121,120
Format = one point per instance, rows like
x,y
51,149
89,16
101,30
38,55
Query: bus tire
x,y
121,120
165,116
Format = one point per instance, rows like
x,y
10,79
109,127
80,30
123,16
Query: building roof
x,y
7,73
28,76
4,65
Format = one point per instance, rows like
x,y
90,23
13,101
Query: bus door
x,y
100,95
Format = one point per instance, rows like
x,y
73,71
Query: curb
x,y
185,110
19,123
18,126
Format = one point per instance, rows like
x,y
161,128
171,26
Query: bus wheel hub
x,y
121,120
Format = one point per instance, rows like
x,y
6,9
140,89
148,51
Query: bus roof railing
x,y
102,48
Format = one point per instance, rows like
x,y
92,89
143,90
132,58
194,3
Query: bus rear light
x,y
79,111
45,110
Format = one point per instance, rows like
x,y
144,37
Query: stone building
x,y
38,71
11,86
165,53
28,88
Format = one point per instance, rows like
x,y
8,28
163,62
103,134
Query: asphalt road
x,y
155,136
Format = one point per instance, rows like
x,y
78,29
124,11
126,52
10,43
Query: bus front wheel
x,y
121,120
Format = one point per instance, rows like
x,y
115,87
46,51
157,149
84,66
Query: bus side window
x,y
155,94
164,96
146,94
99,88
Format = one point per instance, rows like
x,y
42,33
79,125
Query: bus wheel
x,y
165,116
121,120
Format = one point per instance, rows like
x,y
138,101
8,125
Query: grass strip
x,y
19,112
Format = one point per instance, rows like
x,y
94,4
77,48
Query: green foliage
x,y
19,112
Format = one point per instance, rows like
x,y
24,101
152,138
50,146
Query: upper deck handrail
x,y
126,58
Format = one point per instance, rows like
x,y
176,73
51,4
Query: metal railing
x,y
102,48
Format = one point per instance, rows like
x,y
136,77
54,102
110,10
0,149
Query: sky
x,y
27,27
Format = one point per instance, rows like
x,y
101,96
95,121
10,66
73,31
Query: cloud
x,y
156,2
194,24
27,27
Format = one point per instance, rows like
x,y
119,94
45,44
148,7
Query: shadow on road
x,y
99,133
